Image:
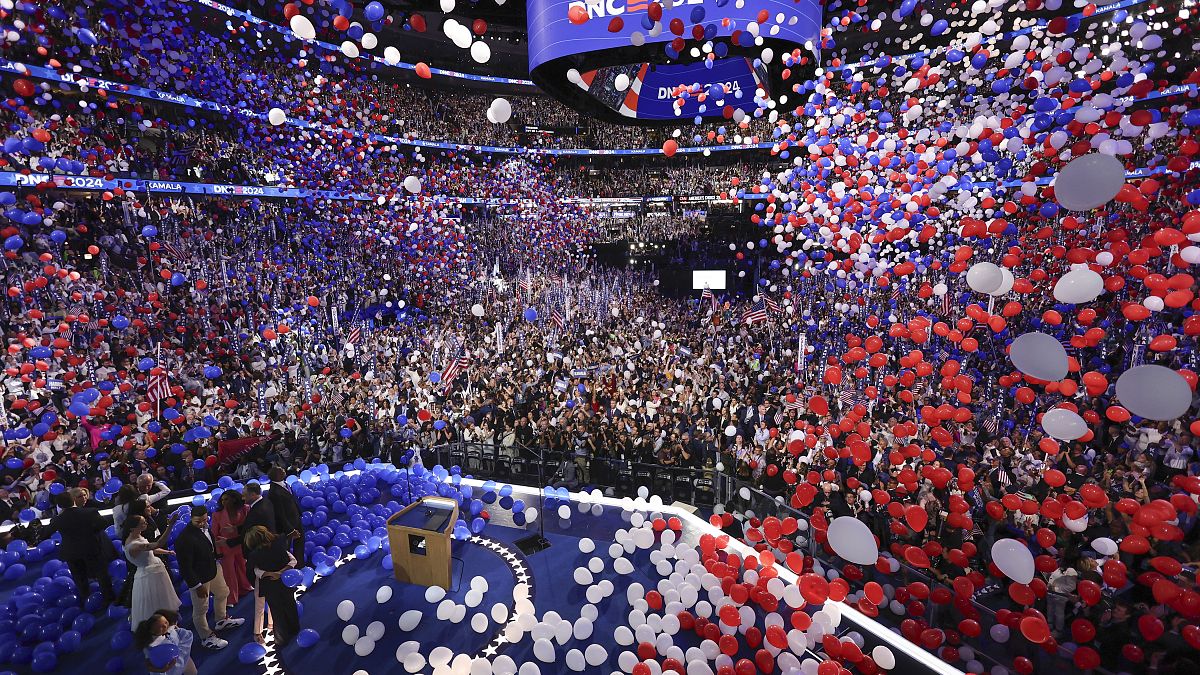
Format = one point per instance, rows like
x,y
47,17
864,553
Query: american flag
x,y
707,296
354,336
992,424
895,293
846,398
336,399
158,388
772,306
557,319
173,251
946,304
757,313
526,284
456,366
793,404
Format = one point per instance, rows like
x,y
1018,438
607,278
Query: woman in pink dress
x,y
225,524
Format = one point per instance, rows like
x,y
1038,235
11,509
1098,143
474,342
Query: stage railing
x,y
702,487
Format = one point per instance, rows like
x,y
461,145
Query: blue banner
x,y
705,91
552,35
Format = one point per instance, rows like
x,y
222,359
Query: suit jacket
x,y
197,556
81,528
287,509
261,513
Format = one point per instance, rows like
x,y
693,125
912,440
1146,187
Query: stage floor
x,y
485,625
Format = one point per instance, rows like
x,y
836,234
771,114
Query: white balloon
x,y
1013,559
434,594
481,52
1039,355
364,646
479,622
383,594
410,619
884,658
1089,181
852,540
621,82
391,56
345,610
477,309
1078,286
413,662
412,184
543,650
350,50
350,634
302,27
999,633
375,630
984,277
1104,546
1006,283
1154,392
501,110
595,655
1154,303
369,41
1063,424
447,6
276,117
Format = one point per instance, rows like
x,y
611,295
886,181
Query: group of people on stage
x,y
238,551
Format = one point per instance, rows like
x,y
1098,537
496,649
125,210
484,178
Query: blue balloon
x,y
309,637
531,314
163,654
149,231
292,578
251,652
121,640
374,11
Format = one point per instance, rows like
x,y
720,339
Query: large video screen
x,y
713,279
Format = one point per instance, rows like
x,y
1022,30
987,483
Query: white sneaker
x,y
229,622
214,642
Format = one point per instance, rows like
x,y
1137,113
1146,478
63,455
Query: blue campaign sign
x,y
553,36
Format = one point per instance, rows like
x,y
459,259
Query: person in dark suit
x,y
287,512
9,506
198,566
261,514
268,558
262,511
81,528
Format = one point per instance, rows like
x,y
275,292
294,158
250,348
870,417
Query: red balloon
x,y
1151,627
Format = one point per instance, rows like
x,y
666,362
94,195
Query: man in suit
x,y
262,511
81,528
287,512
198,566
9,506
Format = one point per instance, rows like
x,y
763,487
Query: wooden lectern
x,y
419,536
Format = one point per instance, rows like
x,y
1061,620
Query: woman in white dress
x,y
152,588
